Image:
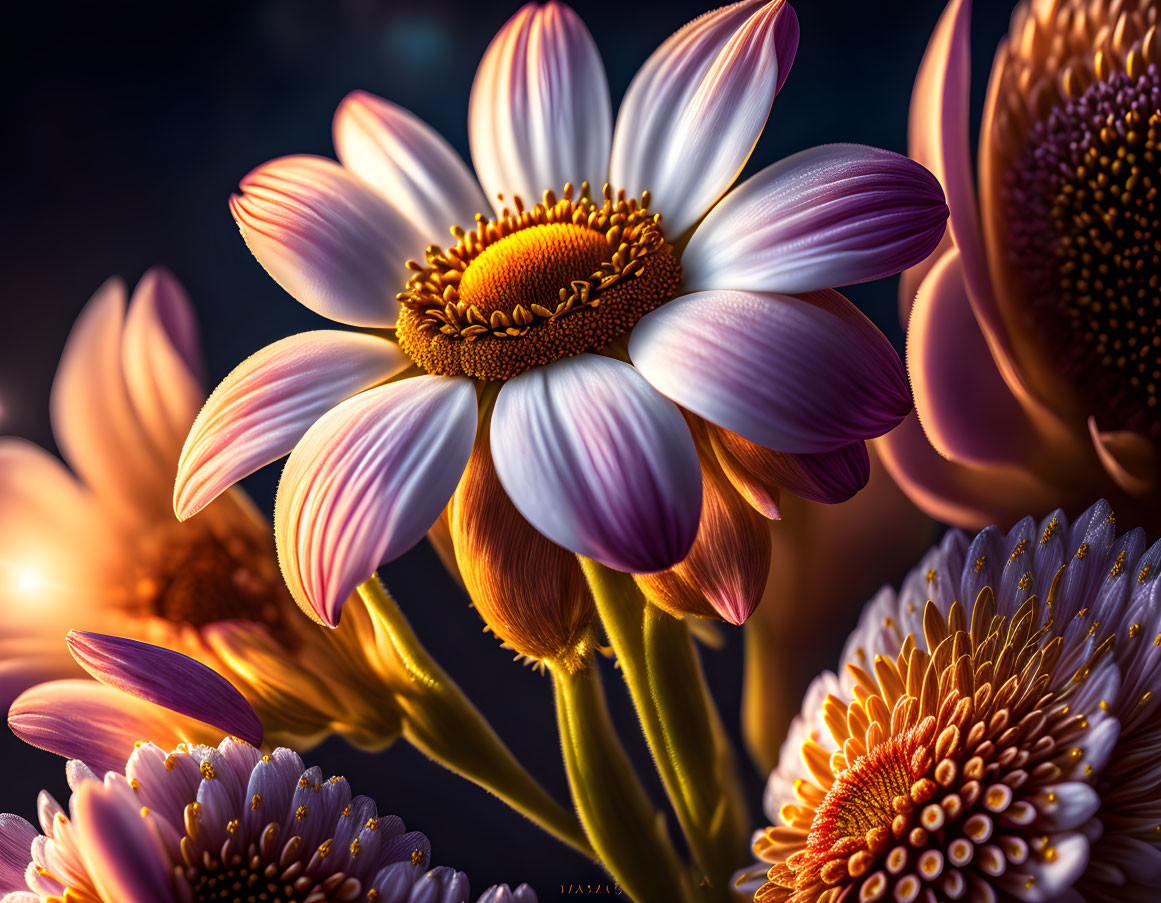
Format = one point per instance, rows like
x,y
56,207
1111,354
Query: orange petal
x,y
1128,457
725,572
529,591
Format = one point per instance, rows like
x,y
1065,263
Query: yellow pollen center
x,y
529,267
555,280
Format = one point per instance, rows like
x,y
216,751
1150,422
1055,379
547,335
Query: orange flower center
x,y
563,277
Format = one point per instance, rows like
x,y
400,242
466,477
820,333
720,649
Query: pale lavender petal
x,y
502,893
1047,879
161,357
82,719
168,679
365,484
327,238
408,163
967,409
828,216
124,855
441,885
786,373
16,837
694,111
258,412
599,462
540,114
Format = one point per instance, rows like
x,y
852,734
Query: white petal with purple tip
x,y
693,112
266,404
327,238
410,164
599,462
828,216
366,482
539,114
782,372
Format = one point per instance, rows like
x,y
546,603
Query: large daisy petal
x,y
409,163
258,412
599,462
828,216
366,482
695,110
327,238
539,114
784,372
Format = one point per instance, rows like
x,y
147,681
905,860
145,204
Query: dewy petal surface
x,y
827,216
599,462
266,404
366,482
778,370
410,164
695,110
168,679
327,238
540,114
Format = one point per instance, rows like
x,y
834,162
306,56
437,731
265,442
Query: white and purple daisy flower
x,y
993,735
568,326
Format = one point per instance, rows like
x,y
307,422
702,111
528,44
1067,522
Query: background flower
x,y
1032,337
1000,687
100,549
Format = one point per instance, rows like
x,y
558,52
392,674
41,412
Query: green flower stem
x,y
680,722
440,721
624,828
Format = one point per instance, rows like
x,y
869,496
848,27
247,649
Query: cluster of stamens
x,y
944,762
1086,240
565,276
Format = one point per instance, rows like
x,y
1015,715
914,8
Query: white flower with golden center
x,y
605,283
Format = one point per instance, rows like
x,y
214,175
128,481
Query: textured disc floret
x,y
200,824
993,750
944,760
1086,234
565,276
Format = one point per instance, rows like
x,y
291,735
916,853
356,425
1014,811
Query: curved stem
x,y
621,822
681,724
440,721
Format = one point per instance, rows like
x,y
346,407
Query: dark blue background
x,y
127,125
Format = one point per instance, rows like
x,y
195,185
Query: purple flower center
x,y
1086,239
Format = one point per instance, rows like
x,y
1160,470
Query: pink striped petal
x,y
966,408
409,164
258,412
94,420
327,238
162,357
785,372
168,679
828,216
599,462
540,114
365,484
82,719
123,854
694,111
